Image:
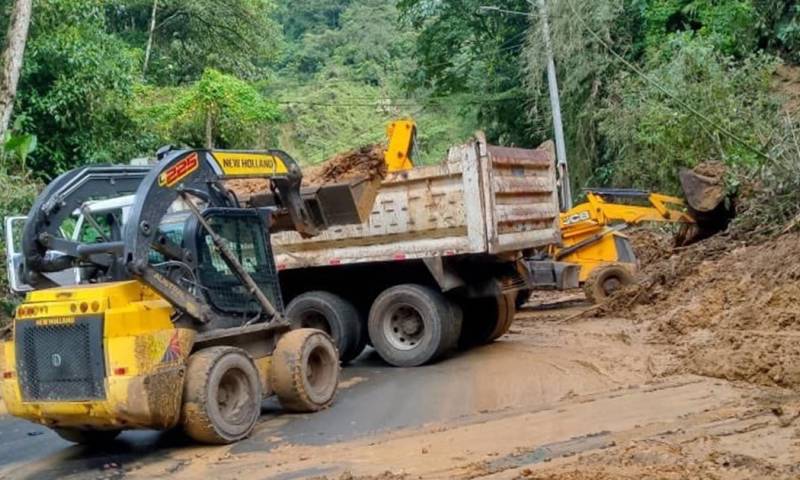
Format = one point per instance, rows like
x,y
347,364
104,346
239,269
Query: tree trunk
x,y
150,38
209,130
12,59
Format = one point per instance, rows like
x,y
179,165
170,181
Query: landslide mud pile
x,y
650,245
365,162
730,310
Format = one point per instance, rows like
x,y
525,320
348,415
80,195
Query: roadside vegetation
x,y
648,86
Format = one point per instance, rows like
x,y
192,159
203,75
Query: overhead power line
x,y
711,123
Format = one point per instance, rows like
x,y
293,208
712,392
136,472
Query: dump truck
x,y
457,243
177,317
439,261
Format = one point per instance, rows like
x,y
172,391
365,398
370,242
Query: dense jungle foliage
x,y
647,86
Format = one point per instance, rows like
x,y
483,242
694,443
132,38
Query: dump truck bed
x,y
483,199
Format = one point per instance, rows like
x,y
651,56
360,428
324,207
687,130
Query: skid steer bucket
x,y
342,203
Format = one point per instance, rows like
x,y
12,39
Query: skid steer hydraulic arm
x,y
195,178
65,194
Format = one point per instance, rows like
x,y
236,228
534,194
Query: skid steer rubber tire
x,y
605,280
92,438
221,396
305,370
333,315
410,325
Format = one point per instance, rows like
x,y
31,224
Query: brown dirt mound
x,y
365,162
711,169
728,309
650,245
704,458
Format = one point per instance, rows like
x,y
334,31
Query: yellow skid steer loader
x,y
178,319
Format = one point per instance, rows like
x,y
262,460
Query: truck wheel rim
x,y
403,327
233,397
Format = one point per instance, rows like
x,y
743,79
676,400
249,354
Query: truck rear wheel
x,y
305,370
605,280
333,315
221,396
411,325
486,319
87,437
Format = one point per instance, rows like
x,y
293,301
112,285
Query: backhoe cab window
x,y
244,236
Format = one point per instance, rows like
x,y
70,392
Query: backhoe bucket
x,y
707,201
344,203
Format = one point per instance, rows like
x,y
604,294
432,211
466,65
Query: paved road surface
x,y
375,399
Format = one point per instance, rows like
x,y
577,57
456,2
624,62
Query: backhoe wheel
x,y
305,370
486,319
333,315
87,437
411,325
221,395
605,280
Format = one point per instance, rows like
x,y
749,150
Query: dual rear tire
x,y
410,325
333,315
487,319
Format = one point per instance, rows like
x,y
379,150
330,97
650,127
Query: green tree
x,y
76,83
727,25
580,33
216,111
461,51
299,17
652,134
343,81
238,37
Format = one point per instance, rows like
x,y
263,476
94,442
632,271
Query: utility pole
x,y
565,194
555,106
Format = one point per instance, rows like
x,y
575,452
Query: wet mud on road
x,y
555,398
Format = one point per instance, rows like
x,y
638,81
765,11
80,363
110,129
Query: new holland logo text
x,y
249,163
179,171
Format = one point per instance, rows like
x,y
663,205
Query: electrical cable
x,y
713,125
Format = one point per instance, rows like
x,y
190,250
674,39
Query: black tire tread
x,y
352,337
448,312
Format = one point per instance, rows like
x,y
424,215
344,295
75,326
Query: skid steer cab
x,y
178,319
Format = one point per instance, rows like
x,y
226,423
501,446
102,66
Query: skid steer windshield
x,y
245,238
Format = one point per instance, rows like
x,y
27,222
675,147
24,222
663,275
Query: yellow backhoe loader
x,y
178,319
592,231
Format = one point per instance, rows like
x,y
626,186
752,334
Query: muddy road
x,y
557,397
